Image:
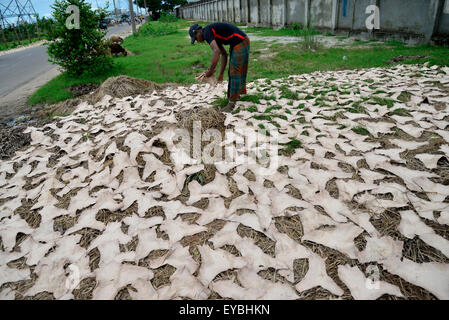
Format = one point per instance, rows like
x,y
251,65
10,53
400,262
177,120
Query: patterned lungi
x,y
238,69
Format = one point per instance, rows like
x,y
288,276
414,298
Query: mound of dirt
x,y
123,86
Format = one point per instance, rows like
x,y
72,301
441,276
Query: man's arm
x,y
215,57
224,62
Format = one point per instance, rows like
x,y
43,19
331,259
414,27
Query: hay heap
x,y
124,86
210,118
62,108
116,87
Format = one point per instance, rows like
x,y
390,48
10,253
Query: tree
x,y
156,7
78,50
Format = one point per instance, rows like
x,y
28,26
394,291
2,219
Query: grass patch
x,y
287,93
269,109
357,108
400,112
262,117
165,57
361,130
236,110
255,98
220,102
405,96
291,145
383,101
157,29
18,44
294,31
302,120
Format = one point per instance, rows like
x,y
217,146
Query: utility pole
x,y
133,19
115,9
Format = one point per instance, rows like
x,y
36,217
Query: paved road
x,y
17,69
21,67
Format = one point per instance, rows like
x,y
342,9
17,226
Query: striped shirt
x,y
223,33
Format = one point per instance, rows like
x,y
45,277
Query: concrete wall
x,y
443,24
296,10
420,19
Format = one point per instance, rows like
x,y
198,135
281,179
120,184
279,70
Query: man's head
x,y
196,33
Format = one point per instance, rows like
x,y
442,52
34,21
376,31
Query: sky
x,y
43,7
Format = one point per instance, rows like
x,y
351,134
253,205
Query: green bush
x,y
157,29
310,40
80,51
166,17
296,26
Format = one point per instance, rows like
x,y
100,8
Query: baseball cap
x,y
192,30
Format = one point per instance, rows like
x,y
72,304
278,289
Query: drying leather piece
x,y
113,172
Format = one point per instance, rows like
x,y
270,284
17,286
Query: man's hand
x,y
209,73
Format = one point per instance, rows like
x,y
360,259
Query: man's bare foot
x,y
229,107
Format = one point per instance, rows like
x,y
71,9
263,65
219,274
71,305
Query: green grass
x,y
287,93
400,112
357,108
301,120
269,109
291,145
361,130
262,117
220,102
382,101
13,45
270,32
405,96
172,59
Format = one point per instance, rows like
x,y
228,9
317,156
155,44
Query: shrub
x,y
157,29
310,41
80,51
167,17
296,26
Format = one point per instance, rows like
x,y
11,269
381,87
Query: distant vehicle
x,y
103,24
